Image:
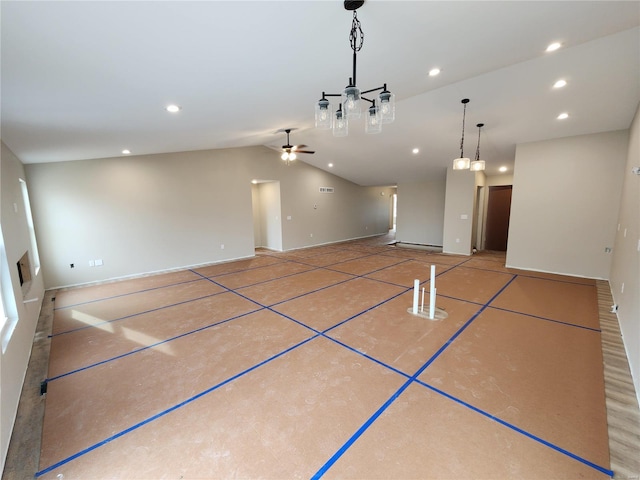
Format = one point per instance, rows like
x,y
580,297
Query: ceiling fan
x,y
290,152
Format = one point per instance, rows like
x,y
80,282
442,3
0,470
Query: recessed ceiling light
x,y
415,150
433,72
560,83
173,108
563,115
126,152
330,165
503,169
553,46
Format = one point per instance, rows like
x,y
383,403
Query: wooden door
x,y
498,211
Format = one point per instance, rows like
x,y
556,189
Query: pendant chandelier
x,y
462,163
381,109
477,165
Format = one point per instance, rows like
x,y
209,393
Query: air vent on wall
x,y
326,189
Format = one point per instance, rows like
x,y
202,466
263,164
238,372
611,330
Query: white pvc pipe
x,y
432,293
416,289
422,307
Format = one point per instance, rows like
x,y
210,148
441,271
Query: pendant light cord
x,y
464,113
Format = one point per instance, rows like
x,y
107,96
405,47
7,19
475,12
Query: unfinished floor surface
x,y
307,364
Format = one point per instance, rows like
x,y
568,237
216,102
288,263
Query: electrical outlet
x,y
311,234
222,246
92,263
98,262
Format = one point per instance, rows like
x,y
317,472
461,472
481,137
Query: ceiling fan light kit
x,y
382,108
290,152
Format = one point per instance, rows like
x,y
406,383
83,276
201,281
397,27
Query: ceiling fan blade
x,y
296,147
305,151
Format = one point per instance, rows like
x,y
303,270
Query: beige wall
x,y
17,334
564,208
420,212
626,255
142,214
459,211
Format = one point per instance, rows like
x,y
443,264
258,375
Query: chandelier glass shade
x,y
381,109
374,120
340,125
324,118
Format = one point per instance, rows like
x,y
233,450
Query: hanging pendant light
x,y
462,163
382,108
477,165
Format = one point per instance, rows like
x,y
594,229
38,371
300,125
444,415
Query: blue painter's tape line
x,y
141,349
413,378
169,410
136,314
268,280
241,270
518,429
360,431
237,291
367,310
126,294
568,324
368,357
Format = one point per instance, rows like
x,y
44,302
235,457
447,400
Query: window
x,y
32,232
8,310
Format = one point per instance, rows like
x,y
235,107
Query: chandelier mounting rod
x,y
382,109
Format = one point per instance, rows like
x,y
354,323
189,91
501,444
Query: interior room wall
x,y
625,268
459,211
565,202
311,217
18,332
420,212
142,214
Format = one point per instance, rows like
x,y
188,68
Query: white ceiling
x,y
85,79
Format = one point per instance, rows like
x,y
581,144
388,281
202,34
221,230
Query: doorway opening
x,y
498,212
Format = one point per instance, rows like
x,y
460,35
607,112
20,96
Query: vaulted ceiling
x,y
84,80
